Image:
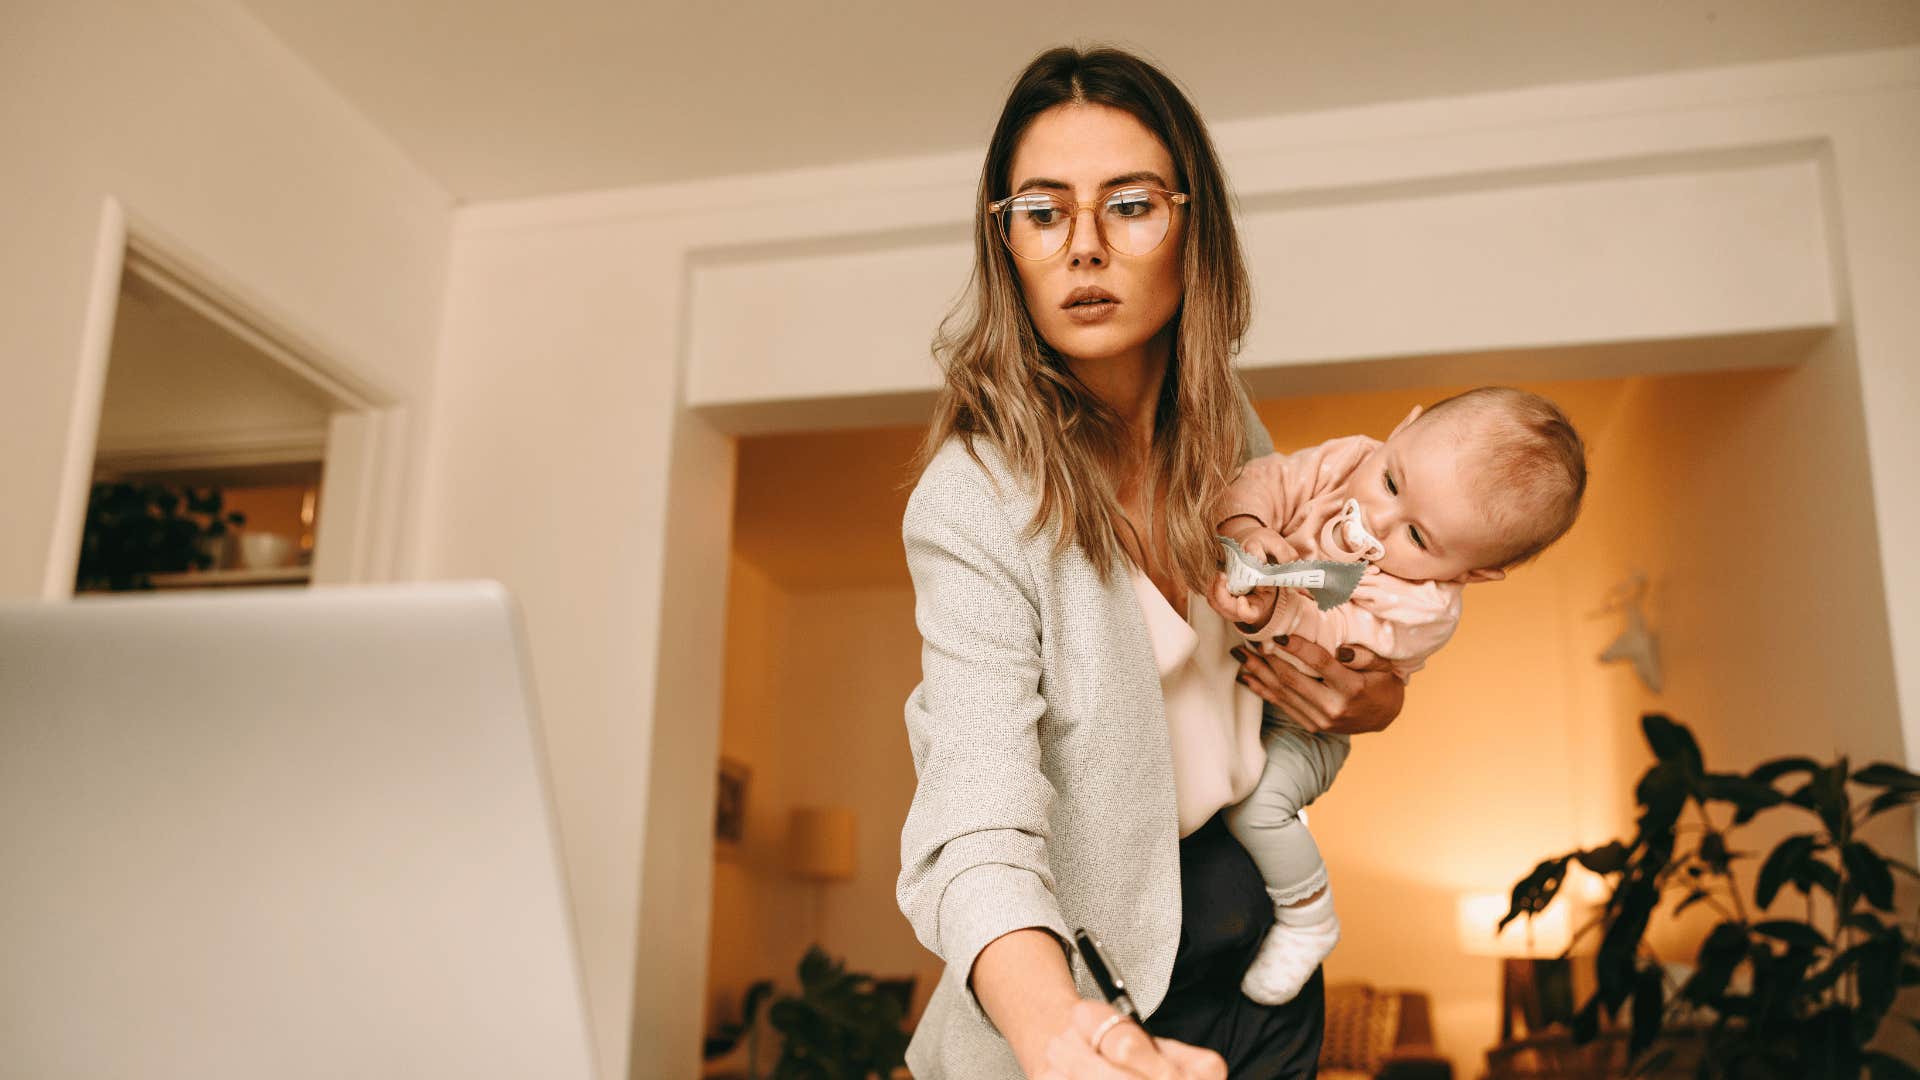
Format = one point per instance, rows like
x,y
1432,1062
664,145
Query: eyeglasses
x,y
1131,220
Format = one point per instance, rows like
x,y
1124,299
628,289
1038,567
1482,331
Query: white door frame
x,y
365,442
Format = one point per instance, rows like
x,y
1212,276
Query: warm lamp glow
x,y
1479,913
820,842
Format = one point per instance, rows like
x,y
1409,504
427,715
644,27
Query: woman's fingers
x,y
1194,1063
1125,1049
1361,658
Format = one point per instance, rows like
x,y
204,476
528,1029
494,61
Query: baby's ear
x,y
1408,422
1473,577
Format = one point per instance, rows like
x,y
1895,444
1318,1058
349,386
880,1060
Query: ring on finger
x,y
1105,1026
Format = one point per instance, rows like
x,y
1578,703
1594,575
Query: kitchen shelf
x,y
209,579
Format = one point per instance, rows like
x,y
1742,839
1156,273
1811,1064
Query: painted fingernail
x,y
1239,653
1344,654
1281,640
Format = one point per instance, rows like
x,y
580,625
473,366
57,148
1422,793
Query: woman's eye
x,y
1129,205
1036,210
1391,489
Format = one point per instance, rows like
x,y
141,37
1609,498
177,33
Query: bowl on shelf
x,y
265,550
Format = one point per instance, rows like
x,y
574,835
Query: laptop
x,y
280,833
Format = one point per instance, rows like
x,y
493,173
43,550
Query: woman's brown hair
x,y
1004,383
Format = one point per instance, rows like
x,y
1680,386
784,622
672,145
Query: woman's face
x,y
1080,152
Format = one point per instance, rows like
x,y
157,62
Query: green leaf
x,y
1673,744
1879,975
1815,872
1885,775
1869,873
1722,952
1534,892
1781,866
1648,1007
1662,794
1866,922
1889,800
1797,934
1748,796
1770,771
1586,1022
1609,858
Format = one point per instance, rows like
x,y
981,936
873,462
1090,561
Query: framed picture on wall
x,y
730,809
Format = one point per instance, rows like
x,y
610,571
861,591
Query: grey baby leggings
x,y
1301,764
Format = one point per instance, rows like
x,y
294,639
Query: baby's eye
x,y
1391,489
1417,538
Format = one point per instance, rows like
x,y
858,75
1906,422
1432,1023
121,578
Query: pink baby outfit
x,y
1300,496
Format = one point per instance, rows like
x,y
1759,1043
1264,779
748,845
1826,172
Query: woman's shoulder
x,y
966,474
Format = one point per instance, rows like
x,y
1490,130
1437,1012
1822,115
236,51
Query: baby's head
x,y
1472,486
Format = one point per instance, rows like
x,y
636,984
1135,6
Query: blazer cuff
x,y
989,901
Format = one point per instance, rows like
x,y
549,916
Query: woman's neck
x,y
1129,384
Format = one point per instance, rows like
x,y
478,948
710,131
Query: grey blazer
x,y
1045,794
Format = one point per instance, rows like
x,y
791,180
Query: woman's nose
x,y
1086,248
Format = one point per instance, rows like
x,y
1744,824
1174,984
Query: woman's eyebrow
x,y
1051,184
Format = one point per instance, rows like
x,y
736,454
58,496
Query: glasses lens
x,y
1135,220
1035,224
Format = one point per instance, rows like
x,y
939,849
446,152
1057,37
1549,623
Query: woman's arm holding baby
x,y
1388,629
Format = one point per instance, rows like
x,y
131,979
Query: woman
x,y
1090,419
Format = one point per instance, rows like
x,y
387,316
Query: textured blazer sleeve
x,y
973,851
1258,443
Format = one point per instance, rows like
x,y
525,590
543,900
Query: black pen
x,y
1113,985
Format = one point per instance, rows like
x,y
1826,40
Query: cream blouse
x,y
1213,721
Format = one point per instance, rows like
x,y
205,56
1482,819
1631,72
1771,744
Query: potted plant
x,y
1774,995
839,1027
136,530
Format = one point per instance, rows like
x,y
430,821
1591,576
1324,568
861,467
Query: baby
x,y
1459,493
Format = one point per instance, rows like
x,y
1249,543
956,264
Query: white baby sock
x,y
1300,939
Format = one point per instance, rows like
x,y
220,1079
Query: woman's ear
x,y
1408,422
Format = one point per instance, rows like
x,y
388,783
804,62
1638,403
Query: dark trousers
x,y
1225,912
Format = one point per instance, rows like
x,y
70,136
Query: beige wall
x,y
228,152
1515,744
821,650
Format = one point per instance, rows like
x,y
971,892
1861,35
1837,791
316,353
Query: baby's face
x,y
1417,497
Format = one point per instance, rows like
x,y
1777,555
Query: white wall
x,y
568,330
232,155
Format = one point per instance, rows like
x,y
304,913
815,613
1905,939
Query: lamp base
x,y
1538,993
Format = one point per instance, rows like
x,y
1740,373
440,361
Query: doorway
x,y
212,446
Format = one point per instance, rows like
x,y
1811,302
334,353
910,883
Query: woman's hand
x,y
1350,696
1125,1051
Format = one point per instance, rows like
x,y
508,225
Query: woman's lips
x,y
1092,312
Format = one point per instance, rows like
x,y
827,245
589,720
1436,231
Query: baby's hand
x,y
1267,546
1249,612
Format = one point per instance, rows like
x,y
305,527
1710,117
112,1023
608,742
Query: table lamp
x,y
820,849
1536,981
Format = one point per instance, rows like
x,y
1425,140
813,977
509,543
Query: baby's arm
x,y
1402,621
1266,501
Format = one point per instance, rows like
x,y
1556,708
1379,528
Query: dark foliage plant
x,y
839,1027
1774,997
136,530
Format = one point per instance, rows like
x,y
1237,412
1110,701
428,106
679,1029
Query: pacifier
x,y
1353,529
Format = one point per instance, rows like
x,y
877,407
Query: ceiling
x,y
505,98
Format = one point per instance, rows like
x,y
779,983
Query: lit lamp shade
x,y
1479,913
820,841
